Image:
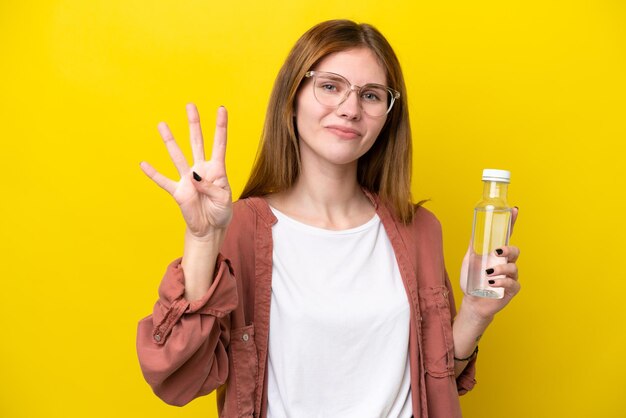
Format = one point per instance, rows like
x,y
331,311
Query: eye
x,y
371,96
328,86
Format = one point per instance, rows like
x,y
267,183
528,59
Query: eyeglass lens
x,y
331,90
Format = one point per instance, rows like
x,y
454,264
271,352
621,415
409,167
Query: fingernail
x,y
491,281
489,271
499,251
196,177
516,207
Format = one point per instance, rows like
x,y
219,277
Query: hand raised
x,y
202,192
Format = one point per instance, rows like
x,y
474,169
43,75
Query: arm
x,y
182,345
467,331
203,195
198,263
476,313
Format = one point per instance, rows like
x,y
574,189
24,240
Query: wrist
x,y
468,327
471,311
213,237
199,258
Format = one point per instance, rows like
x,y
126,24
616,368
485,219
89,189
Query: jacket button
x,y
245,337
157,337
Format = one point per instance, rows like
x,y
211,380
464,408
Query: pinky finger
x,y
509,285
163,182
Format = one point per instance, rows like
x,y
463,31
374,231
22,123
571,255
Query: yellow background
x,y
535,86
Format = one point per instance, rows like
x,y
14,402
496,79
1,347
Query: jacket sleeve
x,y
182,346
466,380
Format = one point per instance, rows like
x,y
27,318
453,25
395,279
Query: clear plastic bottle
x,y
491,230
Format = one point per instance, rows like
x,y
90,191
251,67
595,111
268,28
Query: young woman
x,y
322,292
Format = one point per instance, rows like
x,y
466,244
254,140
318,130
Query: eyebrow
x,y
341,77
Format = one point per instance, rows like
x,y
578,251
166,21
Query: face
x,y
339,136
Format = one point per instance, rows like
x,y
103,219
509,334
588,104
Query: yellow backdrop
x,y
534,86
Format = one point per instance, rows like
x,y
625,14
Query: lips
x,y
344,132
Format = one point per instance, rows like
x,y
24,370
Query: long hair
x,y
385,169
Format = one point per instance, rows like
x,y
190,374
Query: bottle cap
x,y
502,176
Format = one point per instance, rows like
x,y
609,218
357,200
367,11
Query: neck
x,y
330,198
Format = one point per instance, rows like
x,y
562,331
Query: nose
x,y
350,107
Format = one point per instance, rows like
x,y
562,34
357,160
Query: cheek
x,y
299,110
302,101
376,128
307,115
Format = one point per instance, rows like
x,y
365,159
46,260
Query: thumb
x,y
213,191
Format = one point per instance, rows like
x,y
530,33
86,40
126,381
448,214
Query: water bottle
x,y
491,230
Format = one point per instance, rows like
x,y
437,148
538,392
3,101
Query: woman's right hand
x,y
202,193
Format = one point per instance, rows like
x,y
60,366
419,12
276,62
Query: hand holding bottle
x,y
503,275
476,313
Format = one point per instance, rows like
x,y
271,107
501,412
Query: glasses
x,y
332,90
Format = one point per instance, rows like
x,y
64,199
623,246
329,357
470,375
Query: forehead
x,y
359,65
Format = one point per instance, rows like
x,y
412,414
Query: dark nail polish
x,y
196,177
499,251
489,271
491,281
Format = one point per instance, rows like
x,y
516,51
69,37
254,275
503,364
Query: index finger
x,y
218,154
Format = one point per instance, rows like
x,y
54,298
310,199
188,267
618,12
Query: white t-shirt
x,y
339,324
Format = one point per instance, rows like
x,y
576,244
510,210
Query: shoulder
x,y
424,218
424,230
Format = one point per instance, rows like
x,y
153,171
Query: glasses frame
x,y
394,94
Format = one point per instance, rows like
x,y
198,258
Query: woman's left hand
x,y
486,308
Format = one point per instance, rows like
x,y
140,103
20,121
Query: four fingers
x,y
197,146
505,275
508,269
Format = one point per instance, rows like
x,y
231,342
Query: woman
x,y
322,292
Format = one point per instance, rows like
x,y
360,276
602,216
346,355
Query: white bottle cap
x,y
502,176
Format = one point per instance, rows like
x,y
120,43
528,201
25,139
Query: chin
x,y
343,159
